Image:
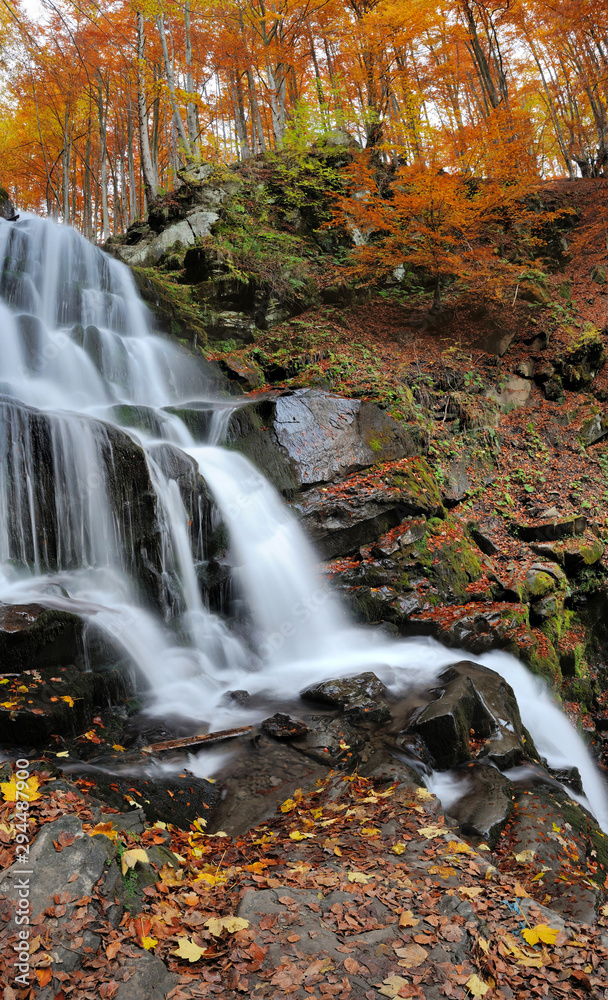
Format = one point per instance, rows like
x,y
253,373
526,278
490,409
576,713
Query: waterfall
x,y
93,518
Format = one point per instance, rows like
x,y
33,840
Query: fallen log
x,y
201,740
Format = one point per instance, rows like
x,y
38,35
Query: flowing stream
x,y
87,390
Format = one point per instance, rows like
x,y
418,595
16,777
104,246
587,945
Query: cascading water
x,y
92,519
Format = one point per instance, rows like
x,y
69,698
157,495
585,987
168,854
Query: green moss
x,y
173,303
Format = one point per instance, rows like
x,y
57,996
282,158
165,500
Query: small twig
x,y
515,296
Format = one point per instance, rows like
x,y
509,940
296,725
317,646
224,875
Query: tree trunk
x,y
170,77
191,107
149,174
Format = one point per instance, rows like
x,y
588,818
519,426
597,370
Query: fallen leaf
x,y
470,891
215,925
117,746
423,795
429,832
68,700
392,985
476,986
411,955
407,919
64,753
188,949
525,856
297,835
359,877
29,793
149,942
288,806
398,848
112,949
44,976
130,858
541,932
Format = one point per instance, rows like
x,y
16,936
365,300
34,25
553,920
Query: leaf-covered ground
x,y
356,889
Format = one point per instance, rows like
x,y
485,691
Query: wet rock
x,y
486,804
42,528
343,518
363,711
473,697
561,834
579,366
333,742
317,437
343,691
551,530
534,291
169,798
148,978
283,727
483,541
525,369
599,274
495,341
574,554
7,209
510,395
92,859
33,637
553,390
594,429
232,325
457,485
60,700
245,373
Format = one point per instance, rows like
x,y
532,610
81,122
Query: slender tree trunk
x,y
149,174
258,131
102,113
170,77
191,107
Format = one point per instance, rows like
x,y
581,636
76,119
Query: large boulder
x,y
310,437
473,697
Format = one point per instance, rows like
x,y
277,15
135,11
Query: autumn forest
x,y
103,103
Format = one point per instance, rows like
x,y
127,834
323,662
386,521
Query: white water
x,y
76,343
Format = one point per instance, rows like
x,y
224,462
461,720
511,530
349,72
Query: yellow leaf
x,y
149,942
398,848
407,919
423,795
444,871
188,949
215,925
520,891
23,689
296,835
524,856
288,806
105,830
64,753
359,877
68,700
459,847
484,945
117,746
476,986
211,878
9,704
199,824
470,891
370,831
541,932
130,858
27,790
429,832
392,985
171,876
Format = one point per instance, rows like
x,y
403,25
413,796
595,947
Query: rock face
x,y
343,518
90,500
310,437
473,697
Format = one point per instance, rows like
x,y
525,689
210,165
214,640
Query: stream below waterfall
x,y
78,364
